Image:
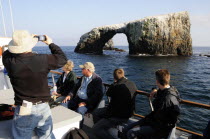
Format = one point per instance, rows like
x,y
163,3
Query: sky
x,y
65,21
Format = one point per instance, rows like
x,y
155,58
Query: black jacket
x,y
94,92
166,111
28,73
121,94
65,87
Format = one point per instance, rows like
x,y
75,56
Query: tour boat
x,y
65,120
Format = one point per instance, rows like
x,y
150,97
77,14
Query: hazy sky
x,y
66,20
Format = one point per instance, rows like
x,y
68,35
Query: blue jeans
x,y
39,121
82,110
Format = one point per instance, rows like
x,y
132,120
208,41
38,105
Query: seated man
x,y
120,107
87,93
66,82
162,120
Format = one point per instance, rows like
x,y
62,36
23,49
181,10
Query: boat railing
x,y
139,92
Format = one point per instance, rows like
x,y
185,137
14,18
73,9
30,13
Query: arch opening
x,y
118,42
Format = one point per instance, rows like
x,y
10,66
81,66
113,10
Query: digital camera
x,y
40,37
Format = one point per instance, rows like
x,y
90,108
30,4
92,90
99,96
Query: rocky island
x,y
156,35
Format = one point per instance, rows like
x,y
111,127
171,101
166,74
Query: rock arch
x,y
159,35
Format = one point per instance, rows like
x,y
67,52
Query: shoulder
x,y
71,73
173,95
40,56
96,76
130,83
6,54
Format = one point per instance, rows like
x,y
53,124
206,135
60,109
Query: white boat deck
x,y
63,118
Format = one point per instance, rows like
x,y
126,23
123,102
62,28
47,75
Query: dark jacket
x,y
28,73
65,87
121,94
166,111
206,133
94,92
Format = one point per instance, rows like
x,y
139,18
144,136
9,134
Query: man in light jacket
x,y
88,92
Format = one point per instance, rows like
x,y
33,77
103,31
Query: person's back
x,y
121,94
120,107
28,75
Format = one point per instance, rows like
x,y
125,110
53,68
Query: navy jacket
x,y
94,92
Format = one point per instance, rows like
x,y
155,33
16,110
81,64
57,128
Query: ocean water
x,y
190,75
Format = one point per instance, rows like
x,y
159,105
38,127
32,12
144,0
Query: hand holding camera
x,y
40,37
44,38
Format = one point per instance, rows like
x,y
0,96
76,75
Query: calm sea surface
x,y
191,76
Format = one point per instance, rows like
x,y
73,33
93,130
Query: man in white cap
x,y
28,75
87,93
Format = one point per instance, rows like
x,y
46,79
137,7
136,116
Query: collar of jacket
x,y
67,74
24,54
172,91
94,75
123,79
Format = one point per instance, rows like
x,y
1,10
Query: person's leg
x,y
142,132
130,133
98,114
65,104
22,126
100,129
130,126
73,104
45,126
82,110
60,99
